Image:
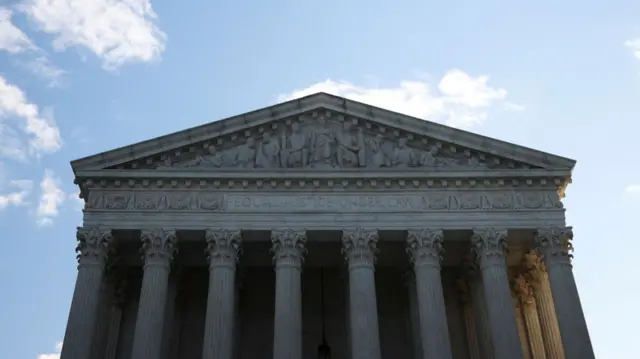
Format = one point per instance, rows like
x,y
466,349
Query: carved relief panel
x,y
324,140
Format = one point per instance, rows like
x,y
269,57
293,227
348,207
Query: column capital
x,y
223,247
490,246
93,245
533,268
424,246
523,290
360,246
159,245
554,244
288,247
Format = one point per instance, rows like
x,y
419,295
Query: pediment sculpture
x,y
324,145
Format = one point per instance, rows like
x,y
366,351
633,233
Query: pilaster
x,y
490,245
425,251
158,249
555,245
360,247
288,247
92,249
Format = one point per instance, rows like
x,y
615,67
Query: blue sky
x,y
79,77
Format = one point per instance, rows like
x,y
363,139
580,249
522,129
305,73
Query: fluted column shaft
x,y
360,247
524,293
116,316
414,317
288,249
464,293
490,247
522,330
222,254
158,249
555,246
92,253
425,249
536,273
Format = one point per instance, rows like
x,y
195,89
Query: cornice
x,y
358,180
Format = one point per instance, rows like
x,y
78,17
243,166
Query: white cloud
x,y
633,190
51,197
117,31
55,355
42,67
460,100
17,195
12,39
78,203
42,134
634,45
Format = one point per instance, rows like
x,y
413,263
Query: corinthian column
x,y
120,296
555,246
425,250
92,254
536,273
413,316
464,294
359,247
524,291
158,249
222,254
490,247
288,249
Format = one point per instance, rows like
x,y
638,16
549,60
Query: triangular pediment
x,y
322,132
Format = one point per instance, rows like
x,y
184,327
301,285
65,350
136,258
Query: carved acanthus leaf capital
x,y
523,290
159,245
489,246
93,245
288,247
360,246
223,246
533,267
425,246
554,244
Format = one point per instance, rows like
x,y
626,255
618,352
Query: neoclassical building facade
x,y
324,225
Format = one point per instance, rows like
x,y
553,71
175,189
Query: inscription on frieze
x,y
428,201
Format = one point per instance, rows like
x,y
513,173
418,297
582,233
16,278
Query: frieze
x,y
323,140
426,201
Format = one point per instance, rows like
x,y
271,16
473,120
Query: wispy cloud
x,y
633,189
41,132
16,194
634,46
117,32
55,355
12,39
33,58
51,198
458,99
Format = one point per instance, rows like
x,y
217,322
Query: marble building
x,y
258,235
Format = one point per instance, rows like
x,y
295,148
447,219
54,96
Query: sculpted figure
x,y
428,158
244,156
348,147
322,152
268,155
377,154
403,155
474,162
294,152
